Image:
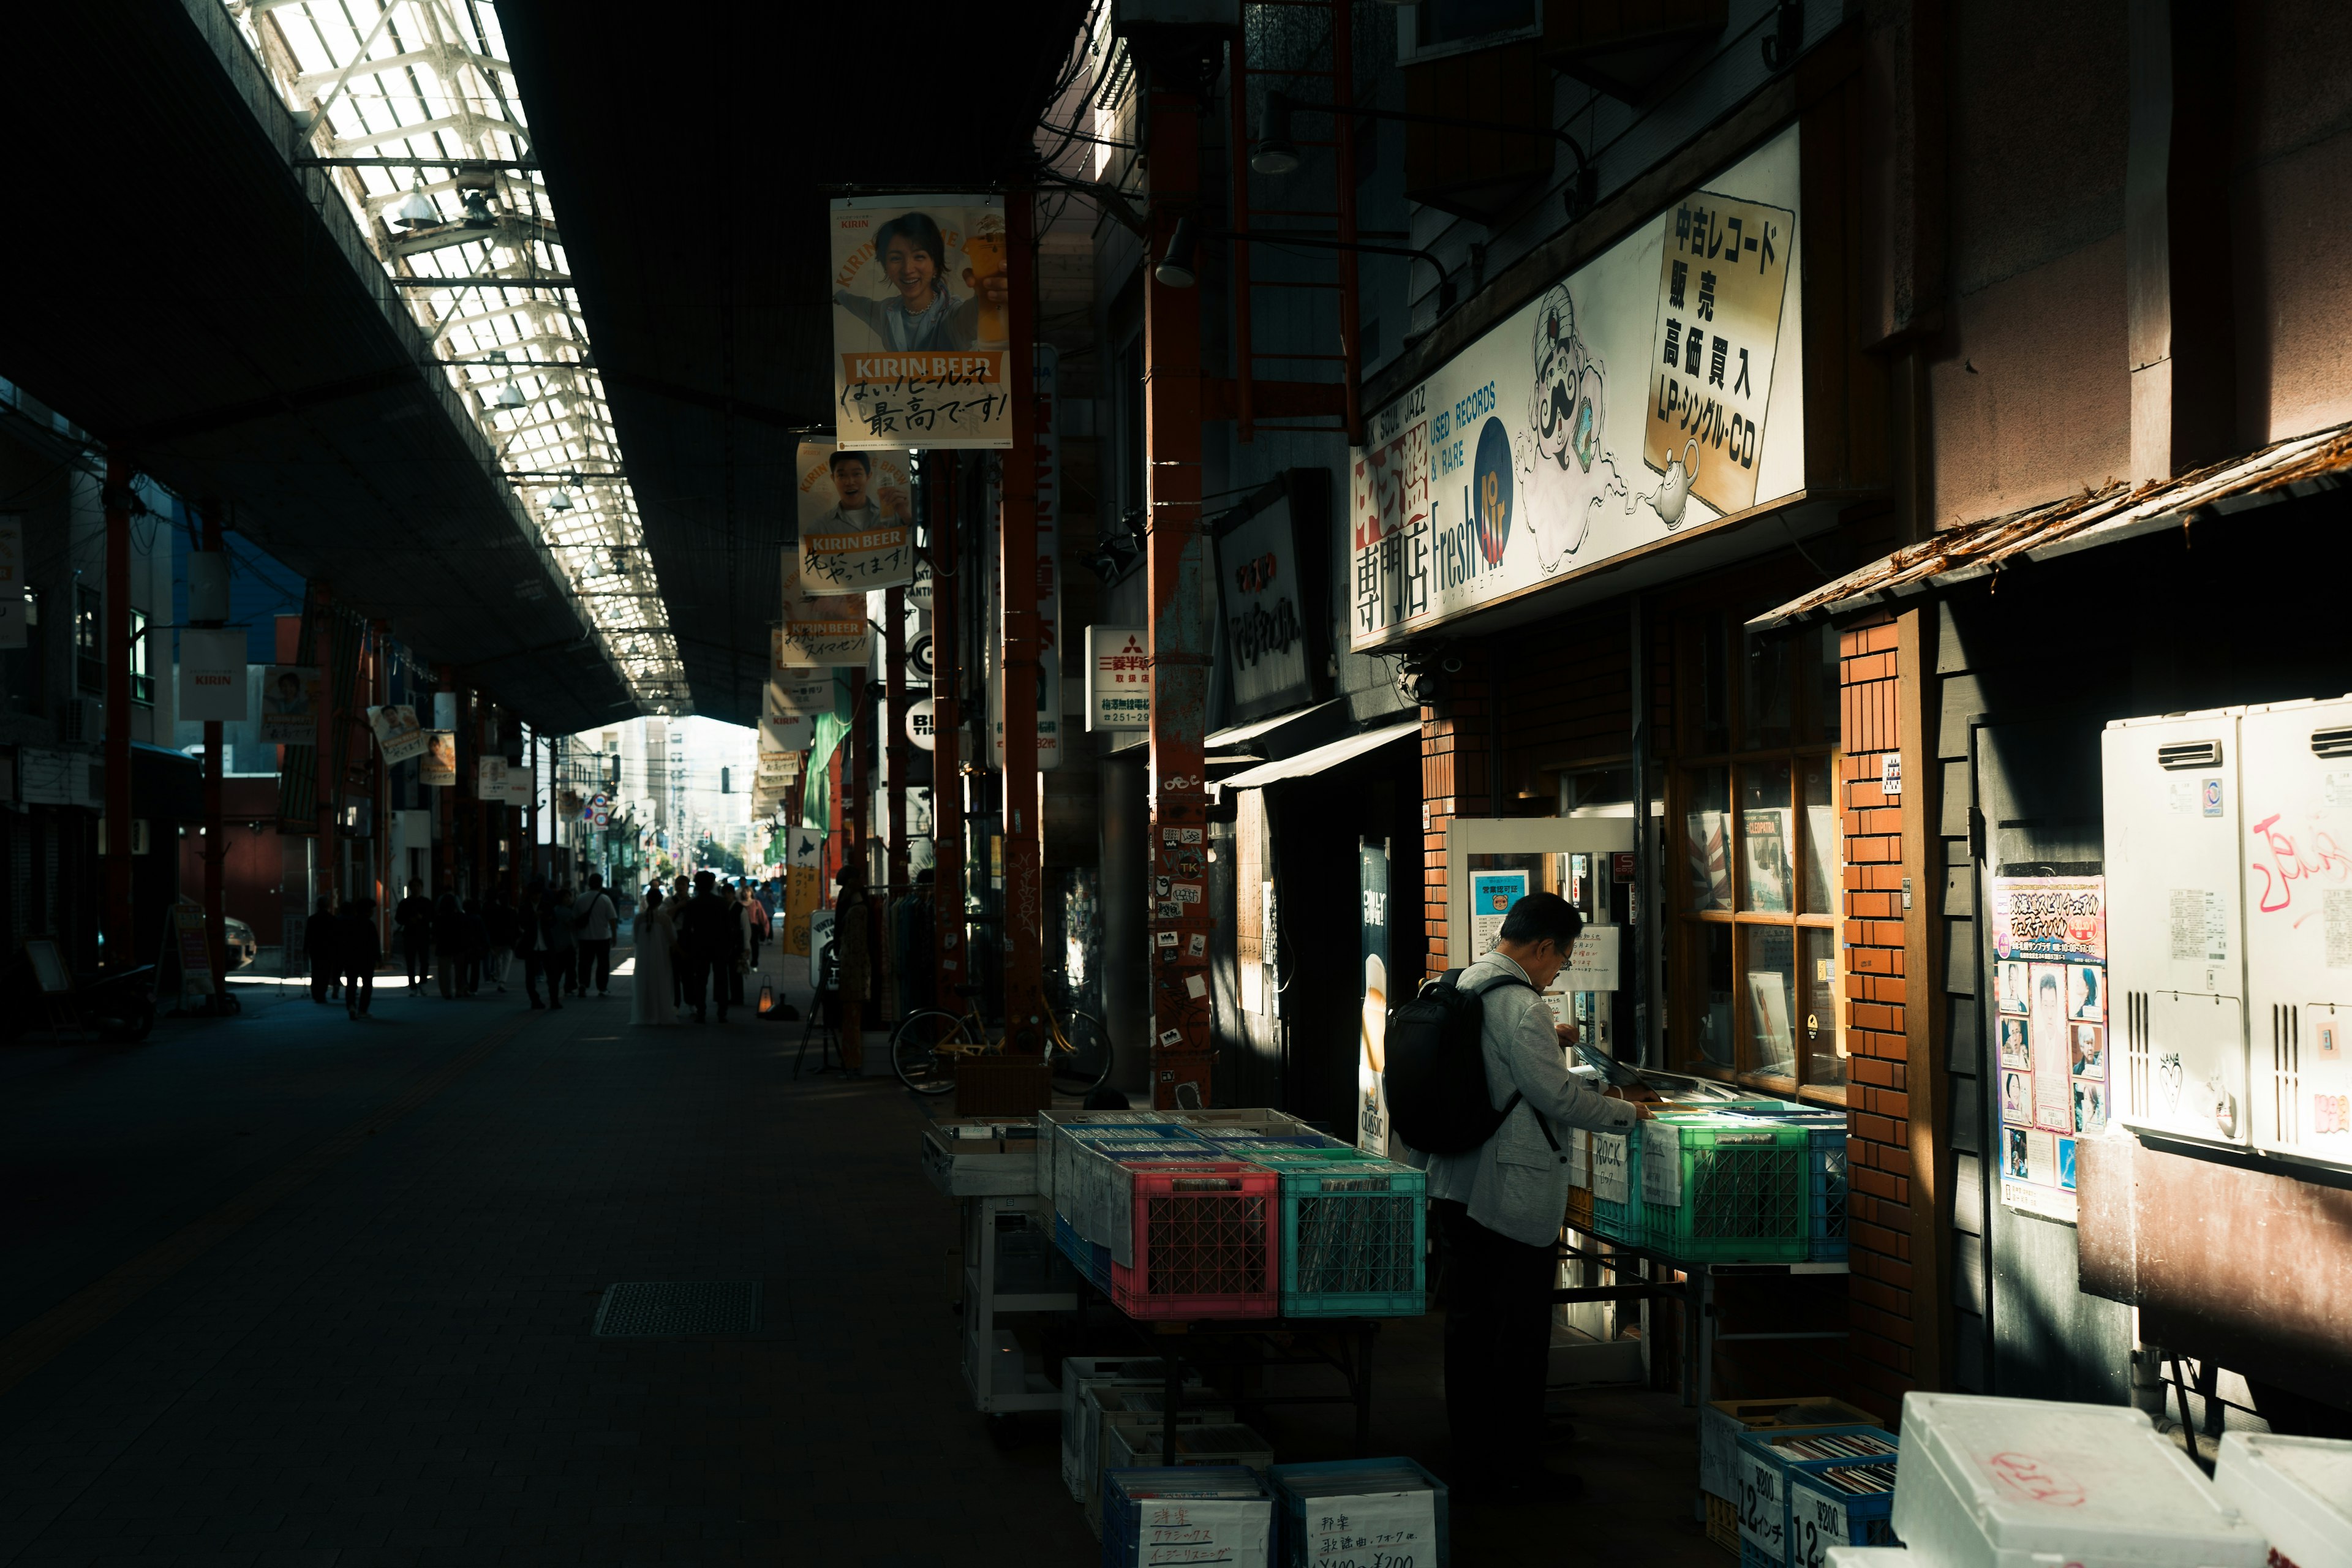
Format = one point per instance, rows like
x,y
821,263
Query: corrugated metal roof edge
x,y
2298,465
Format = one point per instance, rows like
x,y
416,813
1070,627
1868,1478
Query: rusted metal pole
x,y
215,846
1244,349
326,865
445,856
122,947
894,741
947,770
1025,904
1179,590
1343,97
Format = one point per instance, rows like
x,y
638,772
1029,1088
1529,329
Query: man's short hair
x,y
832,462
1539,917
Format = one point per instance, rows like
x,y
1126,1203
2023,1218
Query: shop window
x,y
1755,907
89,640
142,683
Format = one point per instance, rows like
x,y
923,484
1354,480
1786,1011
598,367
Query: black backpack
x,y
1436,1075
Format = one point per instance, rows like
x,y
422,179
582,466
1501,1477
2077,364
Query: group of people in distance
x,y
693,942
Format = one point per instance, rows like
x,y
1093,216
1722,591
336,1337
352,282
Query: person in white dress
x,y
651,986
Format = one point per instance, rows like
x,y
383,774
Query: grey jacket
x,y
1516,1184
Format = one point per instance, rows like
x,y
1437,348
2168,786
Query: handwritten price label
x,y
1390,1530
1816,1523
1763,1507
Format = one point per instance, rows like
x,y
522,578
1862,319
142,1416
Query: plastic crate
x,y
1724,1189
1770,1463
1722,1522
1355,1239
1077,1372
1098,1187
1823,1515
1618,1219
1119,1439
1090,1258
1306,1494
1723,1422
1825,1180
1207,1243
1223,1511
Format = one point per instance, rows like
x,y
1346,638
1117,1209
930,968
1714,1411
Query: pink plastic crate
x,y
1208,1242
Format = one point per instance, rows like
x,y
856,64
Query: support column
x,y
1024,849
894,739
326,788
444,849
215,846
121,946
1179,591
946,718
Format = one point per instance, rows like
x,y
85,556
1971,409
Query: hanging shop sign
x,y
2049,963
819,632
212,674
1649,396
784,728
1118,678
856,527
290,700
439,768
16,617
1371,1055
922,322
445,710
920,721
397,734
799,692
1046,446
490,778
1269,618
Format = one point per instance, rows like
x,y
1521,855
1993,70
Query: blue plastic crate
x,y
1090,1258
1327,1485
1355,1239
1765,1474
1130,1495
1820,1517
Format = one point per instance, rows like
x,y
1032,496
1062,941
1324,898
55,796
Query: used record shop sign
x,y
1649,395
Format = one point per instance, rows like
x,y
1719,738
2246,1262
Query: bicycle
x,y
925,1047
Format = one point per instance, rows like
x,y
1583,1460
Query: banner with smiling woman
x,y
921,324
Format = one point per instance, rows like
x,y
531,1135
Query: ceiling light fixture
x,y
1275,153
1175,269
417,211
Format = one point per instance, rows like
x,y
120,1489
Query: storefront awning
x,y
1321,758
2301,465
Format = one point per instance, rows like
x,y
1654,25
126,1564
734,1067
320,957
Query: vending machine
x,y
2175,924
2295,767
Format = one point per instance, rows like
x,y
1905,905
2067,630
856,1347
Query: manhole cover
x,y
673,1309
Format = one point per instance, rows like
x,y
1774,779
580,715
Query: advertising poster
x,y
2050,1043
1118,678
212,674
1263,602
818,632
1492,894
291,695
1047,448
14,624
922,322
1648,395
397,732
490,778
439,769
1371,1062
856,520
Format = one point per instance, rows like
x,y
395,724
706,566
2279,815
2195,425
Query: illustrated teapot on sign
x,y
1675,486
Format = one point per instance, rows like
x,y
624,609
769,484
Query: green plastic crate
x,y
1742,1186
1355,1238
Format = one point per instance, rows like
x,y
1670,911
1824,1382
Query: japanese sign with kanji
x,y
856,521
1562,441
818,630
922,322
1118,678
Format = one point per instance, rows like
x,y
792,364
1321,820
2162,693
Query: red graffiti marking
x,y
2289,864
2037,1482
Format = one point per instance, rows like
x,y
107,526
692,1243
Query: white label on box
x,y
1204,1530
1377,1530
1817,1521
1580,1157
1661,1165
1609,1173
1763,1516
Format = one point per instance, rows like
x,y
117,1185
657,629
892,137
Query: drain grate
x,y
673,1309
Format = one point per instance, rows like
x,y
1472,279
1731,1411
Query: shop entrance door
x,y
1491,863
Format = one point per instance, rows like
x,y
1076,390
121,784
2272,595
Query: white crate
x,y
977,1157
2296,1490
1121,1436
2019,1483
1077,1372
1867,1557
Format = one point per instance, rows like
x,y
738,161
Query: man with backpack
x,y
1478,1087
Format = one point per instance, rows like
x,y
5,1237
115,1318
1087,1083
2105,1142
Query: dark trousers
x,y
595,961
322,982
416,948
358,990
553,965
703,976
1498,1345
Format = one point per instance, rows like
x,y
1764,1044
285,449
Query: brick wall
x,y
1878,1133
1454,769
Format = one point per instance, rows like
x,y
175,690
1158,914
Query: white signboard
x,y
1593,962
856,518
1653,391
1371,1531
920,724
212,675
1264,603
1201,1531
1118,678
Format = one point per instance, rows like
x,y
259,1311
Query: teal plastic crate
x,y
1615,1219
1355,1238
1739,1186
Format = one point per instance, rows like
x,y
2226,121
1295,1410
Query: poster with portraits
x,y
2049,1024
398,734
922,322
856,519
292,697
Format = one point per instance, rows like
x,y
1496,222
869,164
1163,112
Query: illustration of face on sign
x,y
1565,471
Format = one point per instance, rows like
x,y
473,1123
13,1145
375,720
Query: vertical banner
x,y
396,731
1372,1061
439,769
15,624
212,675
1047,446
856,520
2049,954
290,706
922,322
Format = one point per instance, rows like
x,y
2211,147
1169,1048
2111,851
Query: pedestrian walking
x,y
413,917
498,936
561,937
653,987
531,942
325,977
711,938
358,950
595,920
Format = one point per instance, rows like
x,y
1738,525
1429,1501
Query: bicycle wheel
x,y
918,1053
1083,1067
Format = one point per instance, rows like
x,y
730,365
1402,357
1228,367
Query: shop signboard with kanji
x,y
1649,396
922,322
1118,678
